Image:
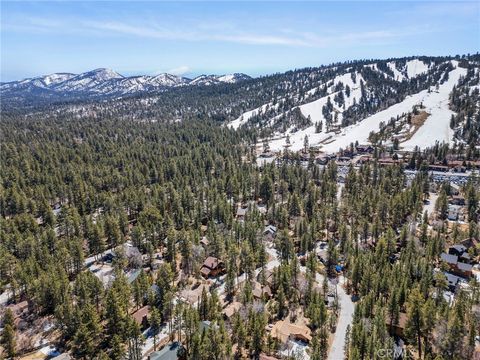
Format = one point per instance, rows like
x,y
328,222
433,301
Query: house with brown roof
x,y
268,274
19,309
241,212
398,328
284,331
211,267
260,292
141,316
231,309
204,242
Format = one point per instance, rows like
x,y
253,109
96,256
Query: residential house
x,y
211,267
268,275
399,327
204,242
452,280
133,275
231,309
457,267
270,229
457,249
261,292
132,254
19,309
363,149
322,160
141,316
284,331
452,213
241,212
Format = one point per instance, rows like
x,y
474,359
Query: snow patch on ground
x,y
297,139
235,124
416,67
397,75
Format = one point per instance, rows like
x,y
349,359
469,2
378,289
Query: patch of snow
x,y
397,75
296,350
49,350
416,67
297,139
235,124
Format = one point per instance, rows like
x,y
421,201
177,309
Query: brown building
x,y
141,316
397,329
285,331
211,267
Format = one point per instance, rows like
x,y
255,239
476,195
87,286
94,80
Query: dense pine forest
x,y
295,244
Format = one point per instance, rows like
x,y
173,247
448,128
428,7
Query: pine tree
x,y
8,334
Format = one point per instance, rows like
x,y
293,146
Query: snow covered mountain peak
x,y
103,82
101,74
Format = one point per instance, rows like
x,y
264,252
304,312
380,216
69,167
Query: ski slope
x,y
243,119
314,108
416,67
436,127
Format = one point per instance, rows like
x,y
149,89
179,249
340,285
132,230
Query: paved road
x,y
345,318
347,307
430,207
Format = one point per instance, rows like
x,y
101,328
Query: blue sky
x,y
257,37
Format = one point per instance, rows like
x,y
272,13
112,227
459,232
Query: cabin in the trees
x,y
457,267
322,160
397,328
284,331
266,276
211,267
260,292
270,229
204,242
453,281
231,309
141,316
452,214
364,149
241,212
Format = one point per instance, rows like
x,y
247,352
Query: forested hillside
x,y
109,227
333,105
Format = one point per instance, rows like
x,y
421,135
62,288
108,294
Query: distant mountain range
x,y
400,102
103,82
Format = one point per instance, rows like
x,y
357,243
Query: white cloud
x,y
221,32
179,70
